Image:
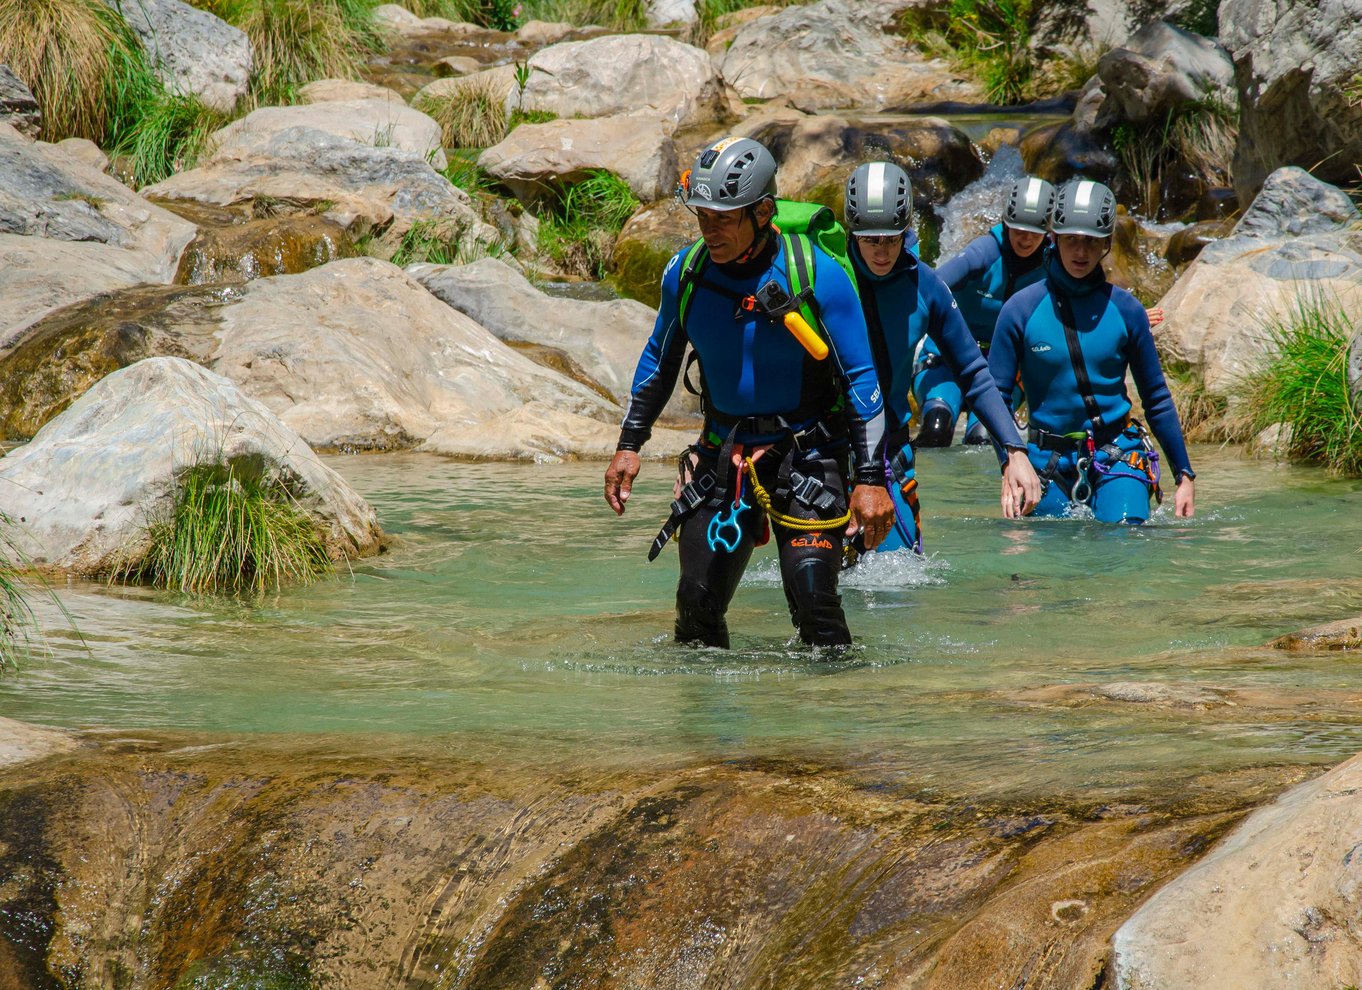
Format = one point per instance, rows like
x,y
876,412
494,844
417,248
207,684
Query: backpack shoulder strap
x,y
800,264
691,266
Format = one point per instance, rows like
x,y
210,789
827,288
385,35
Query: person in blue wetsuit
x,y
904,303
780,424
1073,337
991,269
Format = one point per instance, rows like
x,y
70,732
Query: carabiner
x,y
724,521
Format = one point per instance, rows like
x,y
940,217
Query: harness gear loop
x,y
763,498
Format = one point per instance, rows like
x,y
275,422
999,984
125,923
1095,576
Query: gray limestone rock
x,y
18,108
1293,203
1297,71
193,51
1161,68
85,488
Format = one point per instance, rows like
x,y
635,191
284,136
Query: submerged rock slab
x,y
84,489
254,860
24,743
1273,907
1346,634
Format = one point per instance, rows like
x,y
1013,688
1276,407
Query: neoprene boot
x,y
978,433
938,425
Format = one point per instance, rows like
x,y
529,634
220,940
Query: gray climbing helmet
x,y
1029,205
1084,207
729,175
879,200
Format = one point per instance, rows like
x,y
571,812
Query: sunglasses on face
x,y
880,240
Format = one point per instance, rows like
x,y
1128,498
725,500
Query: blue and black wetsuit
x,y
761,387
1111,332
903,308
982,277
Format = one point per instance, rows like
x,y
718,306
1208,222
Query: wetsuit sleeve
x,y
1159,410
948,329
1004,361
978,255
849,341
658,367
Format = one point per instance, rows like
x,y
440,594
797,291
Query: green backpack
x,y
800,225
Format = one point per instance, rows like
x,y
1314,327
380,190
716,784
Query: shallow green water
x,y
517,617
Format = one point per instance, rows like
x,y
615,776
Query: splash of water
x,y
977,207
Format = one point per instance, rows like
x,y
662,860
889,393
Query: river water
x,y
516,618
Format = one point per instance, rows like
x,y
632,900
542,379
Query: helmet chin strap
x,y
759,236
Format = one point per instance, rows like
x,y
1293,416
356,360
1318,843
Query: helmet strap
x,y
760,235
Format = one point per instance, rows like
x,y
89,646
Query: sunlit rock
x,y
1269,908
342,90
729,24
83,490
539,33
1160,69
192,50
23,743
68,232
839,54
536,158
1296,66
599,342
1345,634
18,108
385,122
622,73
1293,202
645,245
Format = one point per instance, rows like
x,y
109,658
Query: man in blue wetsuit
x,y
991,269
779,423
1073,337
905,302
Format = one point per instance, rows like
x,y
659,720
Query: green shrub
x,y
618,15
1305,386
471,114
230,530
16,616
989,39
578,229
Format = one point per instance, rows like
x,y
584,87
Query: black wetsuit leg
x,y
710,577
810,563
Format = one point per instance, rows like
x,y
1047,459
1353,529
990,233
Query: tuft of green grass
x,y
298,41
429,241
578,230
988,39
519,116
1306,386
167,137
17,621
230,530
620,16
85,67
464,173
1199,136
471,114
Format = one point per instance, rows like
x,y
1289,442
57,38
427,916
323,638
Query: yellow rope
x,y
789,522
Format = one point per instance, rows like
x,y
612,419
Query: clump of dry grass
x,y
471,112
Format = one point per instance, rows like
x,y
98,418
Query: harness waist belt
x,y
808,435
1065,443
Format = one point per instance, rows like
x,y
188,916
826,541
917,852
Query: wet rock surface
x,y
259,859
18,108
88,484
1159,69
1346,634
646,243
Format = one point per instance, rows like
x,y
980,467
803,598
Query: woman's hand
x,y
1183,499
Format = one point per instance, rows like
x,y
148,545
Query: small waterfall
x,y
978,206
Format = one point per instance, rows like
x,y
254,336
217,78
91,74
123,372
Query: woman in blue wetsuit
x,y
905,302
779,421
992,268
1073,337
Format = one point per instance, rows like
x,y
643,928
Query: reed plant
x,y
1305,385
230,529
16,615
167,137
578,227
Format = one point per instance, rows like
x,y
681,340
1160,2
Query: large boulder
x,y
1160,69
817,152
664,12
1079,26
1219,312
646,243
68,232
1296,67
728,25
18,108
839,54
599,342
312,350
361,187
334,90
192,51
636,146
622,73
86,486
382,123
1293,203
1059,151
1273,907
